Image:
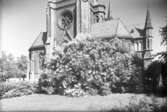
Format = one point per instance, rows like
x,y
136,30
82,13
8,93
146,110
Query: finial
x,y
109,16
148,23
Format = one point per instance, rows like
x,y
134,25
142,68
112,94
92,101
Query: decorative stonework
x,y
65,20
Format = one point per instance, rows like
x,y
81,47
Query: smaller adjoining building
x,y
36,57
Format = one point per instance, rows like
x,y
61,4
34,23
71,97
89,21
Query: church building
x,y
66,19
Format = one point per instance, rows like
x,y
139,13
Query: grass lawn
x,y
38,102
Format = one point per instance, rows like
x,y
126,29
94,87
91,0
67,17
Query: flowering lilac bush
x,y
99,67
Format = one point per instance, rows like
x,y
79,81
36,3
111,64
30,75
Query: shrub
x,y
93,64
75,92
4,87
2,91
105,90
44,85
17,89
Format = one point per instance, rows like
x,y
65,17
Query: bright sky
x,y
22,20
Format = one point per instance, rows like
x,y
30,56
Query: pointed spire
x,y
109,16
148,23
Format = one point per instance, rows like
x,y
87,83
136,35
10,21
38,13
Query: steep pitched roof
x,y
109,29
39,41
140,31
148,23
136,30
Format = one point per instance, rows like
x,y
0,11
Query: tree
x,y
3,65
155,76
11,68
8,68
21,66
164,34
164,54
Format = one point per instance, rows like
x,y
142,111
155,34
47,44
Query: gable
x,y
136,30
122,31
39,41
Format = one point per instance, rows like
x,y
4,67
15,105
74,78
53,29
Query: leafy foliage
x,y
155,78
95,67
162,56
43,85
2,90
8,90
10,68
164,34
7,67
21,64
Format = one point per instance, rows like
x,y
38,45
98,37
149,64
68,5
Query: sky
x,y
21,21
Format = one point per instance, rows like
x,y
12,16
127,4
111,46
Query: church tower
x,y
98,12
65,19
147,46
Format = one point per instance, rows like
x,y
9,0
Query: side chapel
x,y
67,18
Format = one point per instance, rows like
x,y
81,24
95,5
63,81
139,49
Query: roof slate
x,y
109,29
39,41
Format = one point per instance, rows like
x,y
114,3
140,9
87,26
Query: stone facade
x,y
67,18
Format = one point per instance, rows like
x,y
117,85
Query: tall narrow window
x,y
139,46
135,45
148,44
